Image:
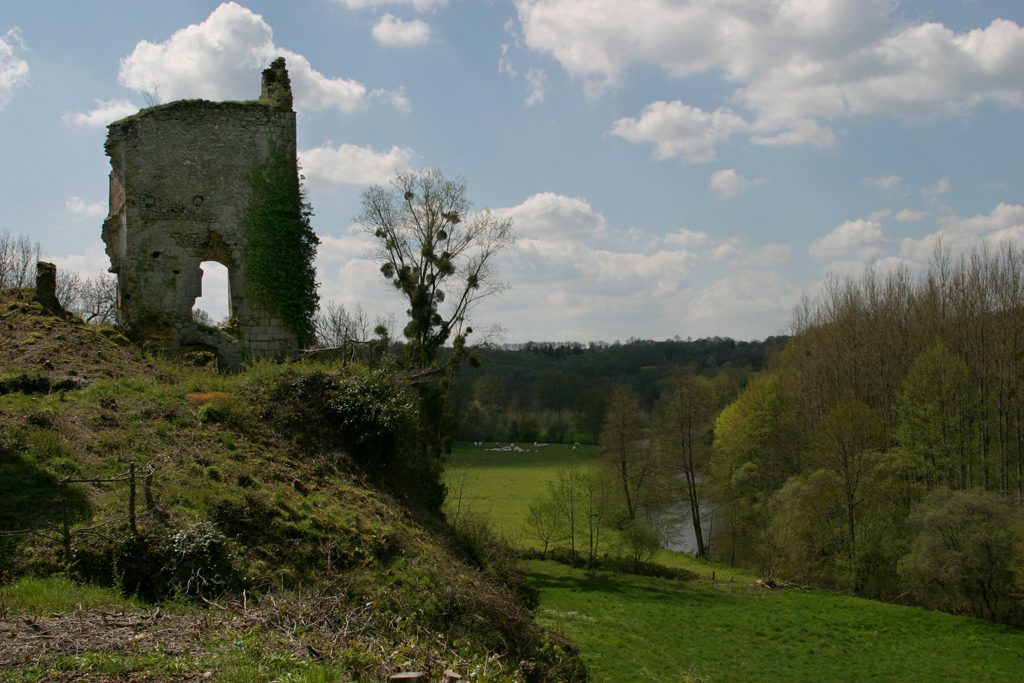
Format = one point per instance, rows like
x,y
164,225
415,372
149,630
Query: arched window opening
x,y
213,306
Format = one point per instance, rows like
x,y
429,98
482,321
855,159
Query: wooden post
x,y
131,497
68,557
150,503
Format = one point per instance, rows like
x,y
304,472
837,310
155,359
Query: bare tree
x,y
439,255
93,299
685,409
18,258
628,452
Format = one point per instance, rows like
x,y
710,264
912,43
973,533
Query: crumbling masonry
x,y
179,191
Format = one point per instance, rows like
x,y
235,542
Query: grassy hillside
x,y
636,628
274,523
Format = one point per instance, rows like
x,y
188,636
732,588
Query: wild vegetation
x,y
883,451
284,515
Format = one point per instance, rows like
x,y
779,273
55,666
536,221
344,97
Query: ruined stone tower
x,y
180,190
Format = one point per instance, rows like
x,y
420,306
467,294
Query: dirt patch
x,y
41,353
201,398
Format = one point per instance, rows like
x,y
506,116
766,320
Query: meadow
x,y
499,486
633,628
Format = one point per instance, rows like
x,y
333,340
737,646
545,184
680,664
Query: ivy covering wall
x,y
282,244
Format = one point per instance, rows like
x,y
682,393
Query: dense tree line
x,y
883,450
559,392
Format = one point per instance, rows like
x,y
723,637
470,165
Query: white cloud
x,y
576,267
397,97
505,63
104,114
727,183
555,217
1003,217
77,206
394,32
885,182
727,249
420,5
687,238
679,130
222,57
92,262
792,62
13,71
800,132
847,237
941,187
906,215
769,254
327,166
535,78
214,296
763,294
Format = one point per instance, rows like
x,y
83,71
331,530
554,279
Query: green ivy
x,y
281,243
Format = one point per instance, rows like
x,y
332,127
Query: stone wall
x,y
178,197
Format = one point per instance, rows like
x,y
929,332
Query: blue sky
x,y
672,167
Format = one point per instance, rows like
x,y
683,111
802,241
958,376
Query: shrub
x,y
961,560
192,559
529,430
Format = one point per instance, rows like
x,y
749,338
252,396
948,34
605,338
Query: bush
x,y
371,418
961,560
192,559
529,430
556,432
479,546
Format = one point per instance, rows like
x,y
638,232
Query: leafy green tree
x,y
490,392
529,430
753,455
964,554
847,447
935,410
729,383
553,389
590,407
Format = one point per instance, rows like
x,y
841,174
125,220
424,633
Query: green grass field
x,y
500,486
633,628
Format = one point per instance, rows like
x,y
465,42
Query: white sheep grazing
x,y
574,448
